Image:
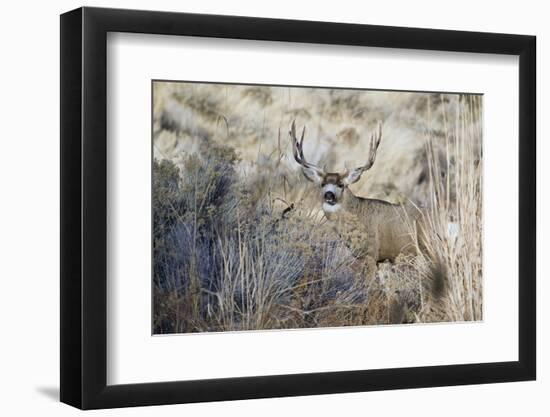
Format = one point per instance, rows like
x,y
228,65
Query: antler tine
x,y
302,144
295,144
298,147
375,138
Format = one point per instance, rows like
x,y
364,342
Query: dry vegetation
x,y
240,241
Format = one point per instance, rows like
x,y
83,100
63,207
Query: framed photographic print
x,y
257,208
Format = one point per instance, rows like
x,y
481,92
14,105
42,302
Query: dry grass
x,y
456,201
240,242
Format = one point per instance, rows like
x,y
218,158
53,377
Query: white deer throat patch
x,y
331,208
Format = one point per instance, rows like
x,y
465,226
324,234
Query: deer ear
x,y
312,175
352,176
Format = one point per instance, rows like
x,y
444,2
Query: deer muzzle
x,y
330,197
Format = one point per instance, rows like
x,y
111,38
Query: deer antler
x,y
298,149
375,138
351,176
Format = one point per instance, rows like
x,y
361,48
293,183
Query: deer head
x,y
332,184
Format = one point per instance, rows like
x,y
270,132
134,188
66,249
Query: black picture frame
x,y
84,207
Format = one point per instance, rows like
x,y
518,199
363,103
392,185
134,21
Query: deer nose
x,y
329,196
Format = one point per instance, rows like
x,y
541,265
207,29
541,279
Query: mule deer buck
x,y
374,230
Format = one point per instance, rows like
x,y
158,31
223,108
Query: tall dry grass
x,y
455,217
240,242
